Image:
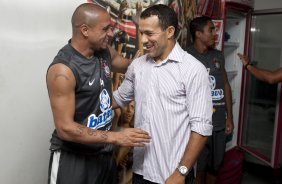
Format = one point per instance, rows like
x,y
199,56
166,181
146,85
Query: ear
x,y
170,32
198,34
84,30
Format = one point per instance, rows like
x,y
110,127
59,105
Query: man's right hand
x,y
133,137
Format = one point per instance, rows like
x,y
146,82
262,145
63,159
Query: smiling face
x,y
100,33
154,38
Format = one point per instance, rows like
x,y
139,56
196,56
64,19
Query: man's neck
x,y
82,49
201,48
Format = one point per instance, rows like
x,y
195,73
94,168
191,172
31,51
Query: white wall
x,y
31,33
267,4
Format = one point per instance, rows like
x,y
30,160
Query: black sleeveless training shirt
x,y
93,92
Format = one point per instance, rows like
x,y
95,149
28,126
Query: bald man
x,y
79,86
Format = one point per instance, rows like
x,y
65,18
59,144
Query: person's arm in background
x,y
228,104
117,111
61,87
200,112
270,77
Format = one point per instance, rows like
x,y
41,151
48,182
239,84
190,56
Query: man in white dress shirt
x,y
172,102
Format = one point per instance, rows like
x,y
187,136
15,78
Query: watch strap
x,y
182,168
246,66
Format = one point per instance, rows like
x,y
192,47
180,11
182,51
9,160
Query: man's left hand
x,y
229,126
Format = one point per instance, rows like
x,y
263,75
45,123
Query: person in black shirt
x,y
203,34
80,90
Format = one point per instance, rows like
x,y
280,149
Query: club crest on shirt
x,y
216,63
105,100
106,68
217,94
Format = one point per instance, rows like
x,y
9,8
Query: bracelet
x,y
246,66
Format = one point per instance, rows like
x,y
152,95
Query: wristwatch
x,y
246,66
183,170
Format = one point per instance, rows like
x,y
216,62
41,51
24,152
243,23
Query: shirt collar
x,y
175,55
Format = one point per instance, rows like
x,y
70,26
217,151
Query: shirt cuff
x,y
118,100
204,129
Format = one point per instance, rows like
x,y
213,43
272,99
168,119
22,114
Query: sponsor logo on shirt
x,y
104,118
217,94
91,82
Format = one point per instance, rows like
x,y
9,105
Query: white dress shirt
x,y
172,99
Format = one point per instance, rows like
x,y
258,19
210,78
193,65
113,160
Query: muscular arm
x,y
228,104
61,88
270,77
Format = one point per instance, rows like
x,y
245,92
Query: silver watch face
x,y
183,170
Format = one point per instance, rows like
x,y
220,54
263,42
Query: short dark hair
x,y
198,24
167,16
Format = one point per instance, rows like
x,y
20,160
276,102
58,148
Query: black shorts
x,y
212,155
71,168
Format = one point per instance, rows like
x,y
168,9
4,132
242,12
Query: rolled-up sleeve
x,y
200,102
125,93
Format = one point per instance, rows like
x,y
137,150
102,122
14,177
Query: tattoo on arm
x,y
92,132
104,135
61,75
80,129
